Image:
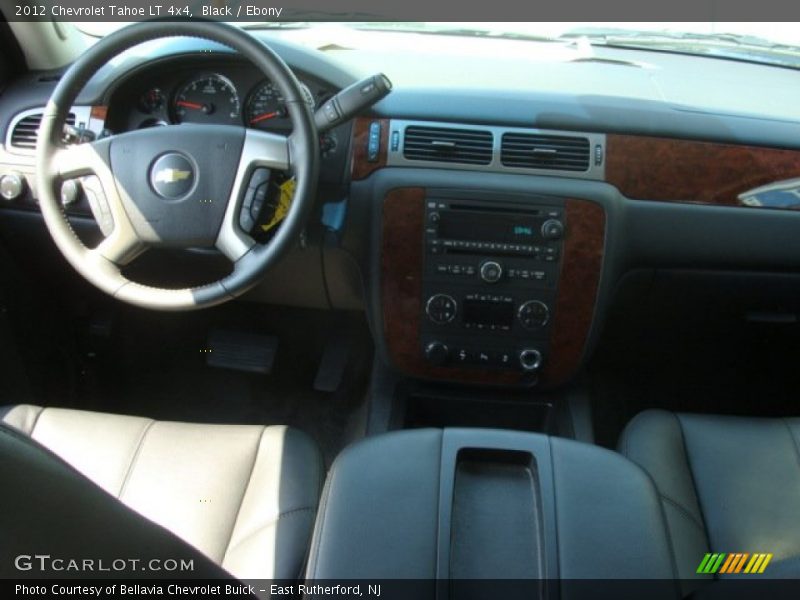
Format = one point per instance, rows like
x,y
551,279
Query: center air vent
x,y
27,129
531,151
445,144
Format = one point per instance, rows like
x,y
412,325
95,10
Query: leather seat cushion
x,y
245,496
727,484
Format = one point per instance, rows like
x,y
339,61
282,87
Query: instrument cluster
x,y
214,93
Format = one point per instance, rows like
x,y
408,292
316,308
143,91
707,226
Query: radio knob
x,y
437,353
552,229
530,359
491,271
441,308
533,314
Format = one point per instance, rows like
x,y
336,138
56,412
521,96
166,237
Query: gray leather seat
x,y
244,496
727,484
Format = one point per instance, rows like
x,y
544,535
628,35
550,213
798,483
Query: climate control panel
x,y
490,282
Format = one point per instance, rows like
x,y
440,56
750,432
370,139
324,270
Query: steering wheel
x,y
180,186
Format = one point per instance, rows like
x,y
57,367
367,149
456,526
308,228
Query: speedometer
x,y
208,99
266,108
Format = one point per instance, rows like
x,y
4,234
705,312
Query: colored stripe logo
x,y
733,563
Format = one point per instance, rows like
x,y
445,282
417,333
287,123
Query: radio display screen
x,y
486,226
499,314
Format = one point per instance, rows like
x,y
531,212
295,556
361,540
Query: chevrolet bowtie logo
x,y
171,175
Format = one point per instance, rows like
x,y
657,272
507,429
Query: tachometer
x,y
208,99
266,108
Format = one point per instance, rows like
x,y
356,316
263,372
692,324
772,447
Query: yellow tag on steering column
x,y
284,202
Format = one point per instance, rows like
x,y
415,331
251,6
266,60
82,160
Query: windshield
x,y
770,43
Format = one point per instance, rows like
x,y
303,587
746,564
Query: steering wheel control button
x,y
259,197
441,309
12,185
491,271
70,192
259,176
533,314
530,359
172,176
552,229
98,204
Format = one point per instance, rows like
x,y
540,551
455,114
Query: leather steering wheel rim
x,y
133,228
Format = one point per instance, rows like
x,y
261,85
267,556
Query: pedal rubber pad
x,y
241,351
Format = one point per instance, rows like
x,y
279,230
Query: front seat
x,y
727,485
244,496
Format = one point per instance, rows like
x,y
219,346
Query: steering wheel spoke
x,y
76,160
121,247
88,163
261,152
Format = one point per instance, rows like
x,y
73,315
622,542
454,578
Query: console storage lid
x,y
493,504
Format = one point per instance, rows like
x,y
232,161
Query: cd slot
x,y
516,210
495,252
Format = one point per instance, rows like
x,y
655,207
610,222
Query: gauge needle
x,y
187,104
264,117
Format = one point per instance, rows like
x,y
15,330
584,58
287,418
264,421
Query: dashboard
x,y
581,188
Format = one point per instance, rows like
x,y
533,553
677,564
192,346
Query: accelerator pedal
x,y
241,351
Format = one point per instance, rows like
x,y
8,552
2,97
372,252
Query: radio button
x,y
491,271
503,359
533,314
462,356
441,308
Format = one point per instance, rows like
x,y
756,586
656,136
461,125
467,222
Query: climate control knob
x,y
552,229
491,271
441,308
533,314
437,353
530,359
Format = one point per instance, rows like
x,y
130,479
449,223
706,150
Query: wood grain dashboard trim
x,y
689,171
360,166
401,266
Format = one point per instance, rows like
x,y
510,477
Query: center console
x,y
459,505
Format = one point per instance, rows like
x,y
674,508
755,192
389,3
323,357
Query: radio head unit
x,y
490,281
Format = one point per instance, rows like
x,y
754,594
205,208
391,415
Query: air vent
x,y
27,129
445,144
552,152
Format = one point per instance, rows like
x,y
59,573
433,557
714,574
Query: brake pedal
x,y
241,351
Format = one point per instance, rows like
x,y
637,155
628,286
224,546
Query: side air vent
x,y
27,130
450,145
531,151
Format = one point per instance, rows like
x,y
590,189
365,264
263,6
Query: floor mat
x,y
153,364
